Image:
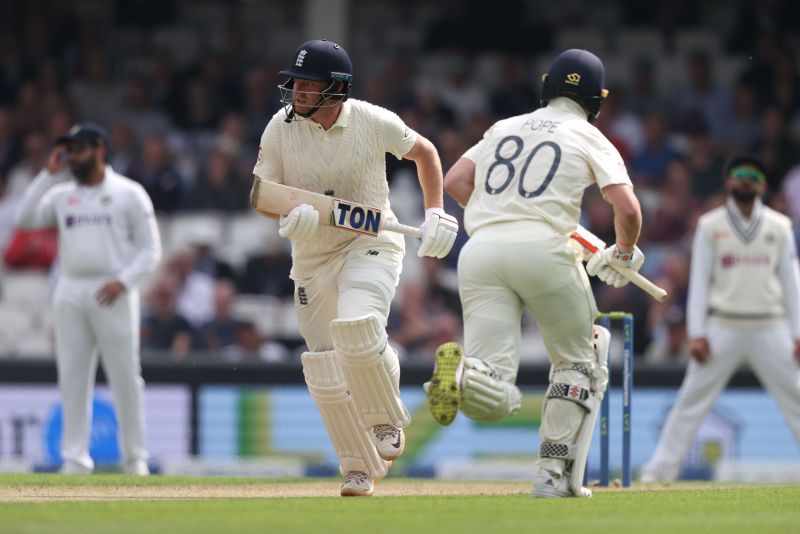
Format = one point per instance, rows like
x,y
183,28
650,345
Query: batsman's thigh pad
x,y
484,395
354,445
371,369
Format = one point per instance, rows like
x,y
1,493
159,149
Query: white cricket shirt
x,y
104,230
536,166
348,161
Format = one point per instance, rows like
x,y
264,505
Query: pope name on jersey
x,y
536,166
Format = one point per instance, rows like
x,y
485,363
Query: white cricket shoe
x,y
136,468
357,484
651,475
389,441
74,468
550,485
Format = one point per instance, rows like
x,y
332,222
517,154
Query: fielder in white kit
x,y
744,307
108,242
522,186
344,282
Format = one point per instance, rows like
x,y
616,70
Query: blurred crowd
x,y
187,127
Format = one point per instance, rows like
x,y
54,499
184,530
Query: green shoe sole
x,y
444,395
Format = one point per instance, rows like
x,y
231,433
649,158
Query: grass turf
x,y
706,508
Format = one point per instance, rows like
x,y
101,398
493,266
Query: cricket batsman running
x,y
325,142
522,186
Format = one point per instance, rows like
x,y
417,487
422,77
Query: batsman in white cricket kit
x,y
744,307
522,185
345,280
108,242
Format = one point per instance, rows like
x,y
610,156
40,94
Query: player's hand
x,y
602,264
699,349
438,233
300,224
109,292
57,159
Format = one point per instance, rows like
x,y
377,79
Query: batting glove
x,y
300,224
438,233
602,264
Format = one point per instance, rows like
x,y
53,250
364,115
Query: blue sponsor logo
x,y
72,221
357,217
103,446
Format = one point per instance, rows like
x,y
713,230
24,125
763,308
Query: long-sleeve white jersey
x,y
743,269
104,230
347,161
537,166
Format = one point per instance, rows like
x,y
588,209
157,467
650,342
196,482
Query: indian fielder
x,y
324,142
108,243
522,185
744,306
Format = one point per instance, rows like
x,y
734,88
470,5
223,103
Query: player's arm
x,y
429,170
789,273
459,182
37,209
627,214
700,273
269,164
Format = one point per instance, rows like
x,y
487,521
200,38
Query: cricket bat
x,y
270,198
593,244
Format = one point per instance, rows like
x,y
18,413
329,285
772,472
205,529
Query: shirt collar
x,y
755,215
344,116
568,105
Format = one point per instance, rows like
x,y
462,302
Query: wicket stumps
x,y
605,320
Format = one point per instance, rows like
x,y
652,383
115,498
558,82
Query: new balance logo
x,y
372,253
329,192
302,297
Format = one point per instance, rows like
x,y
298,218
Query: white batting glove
x,y
601,264
300,224
438,233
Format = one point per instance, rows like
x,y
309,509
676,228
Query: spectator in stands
x,y
219,186
648,166
250,345
778,151
195,288
219,333
515,93
702,95
34,146
10,152
642,95
703,159
126,147
139,112
267,273
742,125
156,171
163,328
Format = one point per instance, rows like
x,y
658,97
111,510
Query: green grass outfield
x,y
111,504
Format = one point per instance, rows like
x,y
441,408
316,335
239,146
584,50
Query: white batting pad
x,y
353,444
484,397
371,369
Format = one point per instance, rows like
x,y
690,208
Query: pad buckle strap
x,y
561,451
570,392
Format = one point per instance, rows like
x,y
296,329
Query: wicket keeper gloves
x,y
600,264
300,224
438,233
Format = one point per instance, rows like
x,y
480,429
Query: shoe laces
x,y
357,478
386,431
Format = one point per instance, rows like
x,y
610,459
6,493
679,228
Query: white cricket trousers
x,y
769,352
84,330
352,284
507,267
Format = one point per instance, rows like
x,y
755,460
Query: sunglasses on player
x,y
748,173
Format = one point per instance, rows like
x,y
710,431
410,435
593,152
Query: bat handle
x,y
411,231
642,283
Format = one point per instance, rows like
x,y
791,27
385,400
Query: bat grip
x,y
411,231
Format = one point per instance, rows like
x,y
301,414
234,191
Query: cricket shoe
x,y
550,485
357,484
136,468
389,441
444,390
